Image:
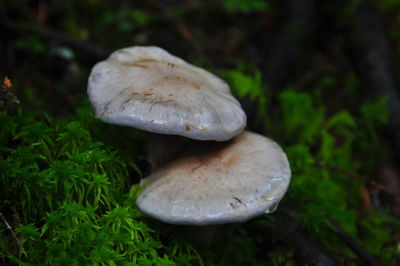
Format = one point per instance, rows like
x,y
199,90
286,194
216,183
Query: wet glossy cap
x,y
150,89
220,183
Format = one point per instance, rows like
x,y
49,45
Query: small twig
x,y
359,250
365,193
8,226
301,242
351,174
341,170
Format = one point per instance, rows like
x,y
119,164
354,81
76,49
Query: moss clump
x,y
67,194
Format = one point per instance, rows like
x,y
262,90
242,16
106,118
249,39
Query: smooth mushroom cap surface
x,y
150,89
218,183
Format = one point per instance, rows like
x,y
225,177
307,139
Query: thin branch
x,y
351,174
301,243
341,170
359,250
8,226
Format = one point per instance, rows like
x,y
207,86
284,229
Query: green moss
x,y
70,195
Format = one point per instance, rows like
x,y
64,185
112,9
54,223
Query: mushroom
x,y
150,89
239,177
218,183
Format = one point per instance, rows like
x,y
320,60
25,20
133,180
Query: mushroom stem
x,y
162,148
200,235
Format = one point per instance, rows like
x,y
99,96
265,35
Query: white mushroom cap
x,y
236,181
150,89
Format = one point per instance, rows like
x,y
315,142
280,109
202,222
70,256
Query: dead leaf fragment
x,y
7,82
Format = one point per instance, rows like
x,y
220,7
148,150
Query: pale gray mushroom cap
x,y
236,181
150,89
